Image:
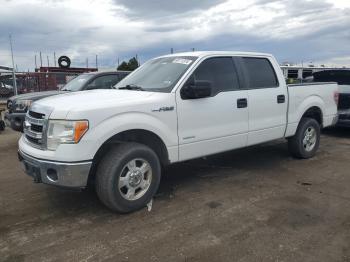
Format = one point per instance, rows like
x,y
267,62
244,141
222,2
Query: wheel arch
x,y
314,112
141,136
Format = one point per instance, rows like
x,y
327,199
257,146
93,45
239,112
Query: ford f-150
x,y
173,108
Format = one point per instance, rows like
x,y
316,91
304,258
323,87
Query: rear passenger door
x,y
217,123
267,100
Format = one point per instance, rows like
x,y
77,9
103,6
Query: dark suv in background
x,y
342,77
17,106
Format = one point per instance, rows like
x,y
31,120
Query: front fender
x,y
164,125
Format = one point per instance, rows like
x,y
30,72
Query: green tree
x,y
129,66
123,66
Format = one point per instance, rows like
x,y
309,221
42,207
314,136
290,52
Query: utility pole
x,y
96,62
48,61
41,60
87,62
35,63
54,58
13,68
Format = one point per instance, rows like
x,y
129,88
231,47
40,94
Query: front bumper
x,y
64,174
15,120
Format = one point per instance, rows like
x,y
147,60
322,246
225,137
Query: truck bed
x,y
301,96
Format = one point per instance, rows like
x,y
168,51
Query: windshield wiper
x,y
132,87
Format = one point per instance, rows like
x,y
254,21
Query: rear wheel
x,y
306,140
128,177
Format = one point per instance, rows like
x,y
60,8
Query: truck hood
x,y
35,95
84,101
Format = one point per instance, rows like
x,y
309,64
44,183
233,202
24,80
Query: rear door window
x,y
260,73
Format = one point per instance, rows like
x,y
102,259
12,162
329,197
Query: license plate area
x,y
30,169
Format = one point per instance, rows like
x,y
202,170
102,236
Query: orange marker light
x,y
80,129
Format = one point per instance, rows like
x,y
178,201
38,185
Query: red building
x,y
53,78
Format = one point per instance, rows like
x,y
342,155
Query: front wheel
x,y
306,140
128,177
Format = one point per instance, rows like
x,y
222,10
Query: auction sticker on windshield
x,y
182,61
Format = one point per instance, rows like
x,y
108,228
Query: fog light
x,y
52,175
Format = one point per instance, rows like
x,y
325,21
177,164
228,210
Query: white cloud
x,y
120,28
340,3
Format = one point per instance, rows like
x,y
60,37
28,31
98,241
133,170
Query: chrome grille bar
x,y
35,121
30,129
33,134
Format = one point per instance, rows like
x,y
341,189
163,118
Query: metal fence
x,y
33,82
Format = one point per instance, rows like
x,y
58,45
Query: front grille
x,y
344,101
36,115
34,128
33,140
37,128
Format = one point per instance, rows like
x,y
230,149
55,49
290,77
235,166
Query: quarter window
x,y
220,71
260,73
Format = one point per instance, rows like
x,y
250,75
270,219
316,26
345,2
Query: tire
x,y
304,144
2,125
64,59
117,176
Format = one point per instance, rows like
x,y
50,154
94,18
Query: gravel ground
x,y
255,204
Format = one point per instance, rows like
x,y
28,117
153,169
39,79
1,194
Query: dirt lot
x,y
256,204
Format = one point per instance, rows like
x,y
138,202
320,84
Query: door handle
x,y
281,99
242,103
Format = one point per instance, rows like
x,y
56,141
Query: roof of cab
x,y
212,53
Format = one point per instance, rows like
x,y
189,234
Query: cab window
x,y
260,73
220,72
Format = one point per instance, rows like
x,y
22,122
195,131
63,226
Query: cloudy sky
x,y
294,31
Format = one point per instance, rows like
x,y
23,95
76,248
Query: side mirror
x,y
198,89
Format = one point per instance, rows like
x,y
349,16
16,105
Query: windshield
x,y
158,75
77,83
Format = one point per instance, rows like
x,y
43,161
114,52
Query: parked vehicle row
x,y
5,90
342,77
173,108
18,105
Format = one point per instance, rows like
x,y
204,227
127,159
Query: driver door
x,y
216,123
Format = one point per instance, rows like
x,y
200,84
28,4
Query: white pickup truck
x,y
173,108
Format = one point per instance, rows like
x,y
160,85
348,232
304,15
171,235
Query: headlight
x,y
65,132
22,105
9,104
